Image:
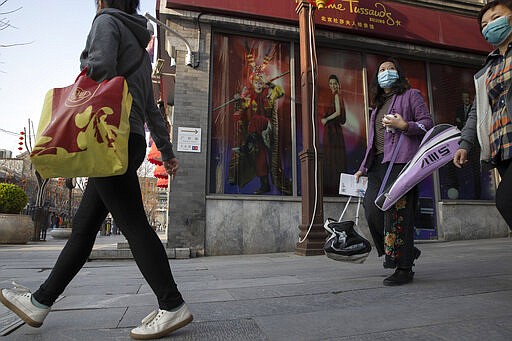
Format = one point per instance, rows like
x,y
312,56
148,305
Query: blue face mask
x,y
387,78
497,31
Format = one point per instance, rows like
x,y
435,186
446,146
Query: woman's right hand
x,y
357,175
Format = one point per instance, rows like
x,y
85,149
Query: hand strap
x,y
345,209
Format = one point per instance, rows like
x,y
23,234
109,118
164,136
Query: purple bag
x,y
436,150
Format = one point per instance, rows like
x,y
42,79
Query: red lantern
x,y
154,155
20,143
160,172
162,183
321,3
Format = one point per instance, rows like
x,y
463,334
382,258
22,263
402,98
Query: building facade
x,y
234,101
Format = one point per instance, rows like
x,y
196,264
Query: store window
x,y
341,115
453,93
340,120
250,127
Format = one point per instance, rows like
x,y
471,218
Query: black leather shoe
x,y
399,277
417,253
389,264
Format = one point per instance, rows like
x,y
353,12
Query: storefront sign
x,y
384,19
189,140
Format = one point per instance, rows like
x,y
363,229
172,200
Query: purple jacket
x,y
413,109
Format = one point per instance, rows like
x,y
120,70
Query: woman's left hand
x,y
324,121
171,166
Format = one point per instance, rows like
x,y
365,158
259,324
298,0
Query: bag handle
x,y
357,210
391,162
129,73
395,153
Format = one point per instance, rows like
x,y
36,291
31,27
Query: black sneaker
x,y
399,277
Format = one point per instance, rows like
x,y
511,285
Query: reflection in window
x,y
453,93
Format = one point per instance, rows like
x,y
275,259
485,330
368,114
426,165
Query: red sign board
x,y
382,18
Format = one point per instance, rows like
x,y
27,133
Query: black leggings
x,y
504,191
121,196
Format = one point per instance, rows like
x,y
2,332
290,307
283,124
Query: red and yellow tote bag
x,y
84,129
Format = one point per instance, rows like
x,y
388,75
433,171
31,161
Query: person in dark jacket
x,y
399,112
117,41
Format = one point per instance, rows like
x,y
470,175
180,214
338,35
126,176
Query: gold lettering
x,y
378,14
351,3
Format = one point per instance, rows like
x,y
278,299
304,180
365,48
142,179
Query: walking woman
x,y
399,113
117,38
489,122
334,143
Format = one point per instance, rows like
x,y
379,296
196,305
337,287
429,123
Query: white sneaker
x,y
19,300
162,322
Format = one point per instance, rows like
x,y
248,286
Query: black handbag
x,y
345,244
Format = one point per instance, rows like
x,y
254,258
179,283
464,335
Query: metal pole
x,y
311,159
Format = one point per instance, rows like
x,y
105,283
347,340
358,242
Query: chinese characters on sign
x,y
189,140
351,15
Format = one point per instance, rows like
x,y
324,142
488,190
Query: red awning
x,y
386,19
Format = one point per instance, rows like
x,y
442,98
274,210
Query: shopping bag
x,y
344,243
84,129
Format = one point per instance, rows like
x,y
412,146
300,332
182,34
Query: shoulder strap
x,y
391,162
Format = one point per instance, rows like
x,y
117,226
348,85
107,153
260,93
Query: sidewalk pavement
x,y
461,291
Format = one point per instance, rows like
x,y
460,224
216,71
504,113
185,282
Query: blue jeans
x,y
121,196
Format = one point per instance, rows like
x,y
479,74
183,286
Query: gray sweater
x,y
115,44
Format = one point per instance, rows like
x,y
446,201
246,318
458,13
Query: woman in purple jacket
x,y
397,111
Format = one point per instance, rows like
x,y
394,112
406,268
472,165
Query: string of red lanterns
x,y
21,142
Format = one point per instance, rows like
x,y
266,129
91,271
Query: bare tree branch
x,y
5,24
9,12
15,44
